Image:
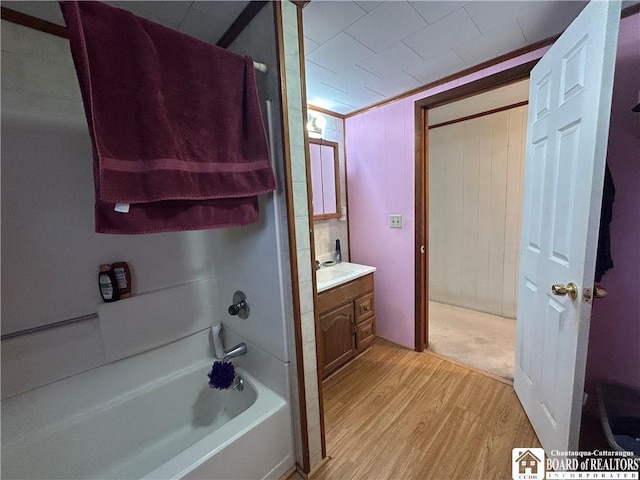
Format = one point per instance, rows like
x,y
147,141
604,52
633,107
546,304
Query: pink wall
x,y
380,177
614,340
381,181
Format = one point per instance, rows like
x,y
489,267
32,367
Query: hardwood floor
x,y
393,413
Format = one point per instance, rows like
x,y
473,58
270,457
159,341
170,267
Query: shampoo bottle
x,y
123,278
108,284
338,251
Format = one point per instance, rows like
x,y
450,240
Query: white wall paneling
x,y
51,254
475,184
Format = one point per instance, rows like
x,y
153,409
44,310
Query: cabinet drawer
x,y
365,334
345,293
364,308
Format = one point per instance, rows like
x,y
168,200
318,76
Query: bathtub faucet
x,y
233,352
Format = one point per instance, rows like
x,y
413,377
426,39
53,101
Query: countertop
x,y
347,271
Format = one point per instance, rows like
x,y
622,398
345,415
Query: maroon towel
x,y
175,124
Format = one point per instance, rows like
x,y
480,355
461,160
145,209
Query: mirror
x,y
324,179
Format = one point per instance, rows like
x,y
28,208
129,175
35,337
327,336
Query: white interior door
x,y
568,126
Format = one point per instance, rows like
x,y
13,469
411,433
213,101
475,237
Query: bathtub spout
x,y
236,351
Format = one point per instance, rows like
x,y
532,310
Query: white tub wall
x,y
256,271
51,253
123,329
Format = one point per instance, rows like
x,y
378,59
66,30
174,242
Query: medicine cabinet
x,y
325,176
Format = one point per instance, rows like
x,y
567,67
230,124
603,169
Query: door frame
x,y
421,209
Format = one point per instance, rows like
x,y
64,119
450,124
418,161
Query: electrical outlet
x,y
395,221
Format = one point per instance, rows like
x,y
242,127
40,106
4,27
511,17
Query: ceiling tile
x,y
325,96
493,14
202,25
225,9
206,20
324,19
338,108
396,57
387,24
49,11
435,10
357,96
436,68
327,91
309,45
442,35
317,72
368,5
339,53
548,20
363,96
393,83
351,78
169,13
491,45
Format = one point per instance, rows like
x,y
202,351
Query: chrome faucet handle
x,y
240,305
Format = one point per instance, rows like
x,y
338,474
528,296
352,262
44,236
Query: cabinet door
x,y
338,341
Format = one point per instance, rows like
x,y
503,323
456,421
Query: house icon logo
x,y
527,463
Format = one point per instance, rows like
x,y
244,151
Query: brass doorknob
x,y
571,289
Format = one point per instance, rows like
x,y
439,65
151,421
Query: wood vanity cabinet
x,y
347,323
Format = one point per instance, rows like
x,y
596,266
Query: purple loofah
x,y
221,375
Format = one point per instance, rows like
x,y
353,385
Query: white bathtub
x,y
116,422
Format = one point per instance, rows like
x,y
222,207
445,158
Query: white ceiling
x,y
206,20
362,52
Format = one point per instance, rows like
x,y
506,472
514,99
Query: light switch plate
x,y
395,221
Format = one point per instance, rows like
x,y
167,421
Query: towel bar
x,y
48,326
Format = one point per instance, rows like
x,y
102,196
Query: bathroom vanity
x,y
346,313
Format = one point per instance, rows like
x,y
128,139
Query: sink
x,y
344,272
332,273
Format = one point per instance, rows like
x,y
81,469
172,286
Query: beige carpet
x,y
482,340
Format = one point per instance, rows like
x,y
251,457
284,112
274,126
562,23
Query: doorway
x,y
476,165
424,111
